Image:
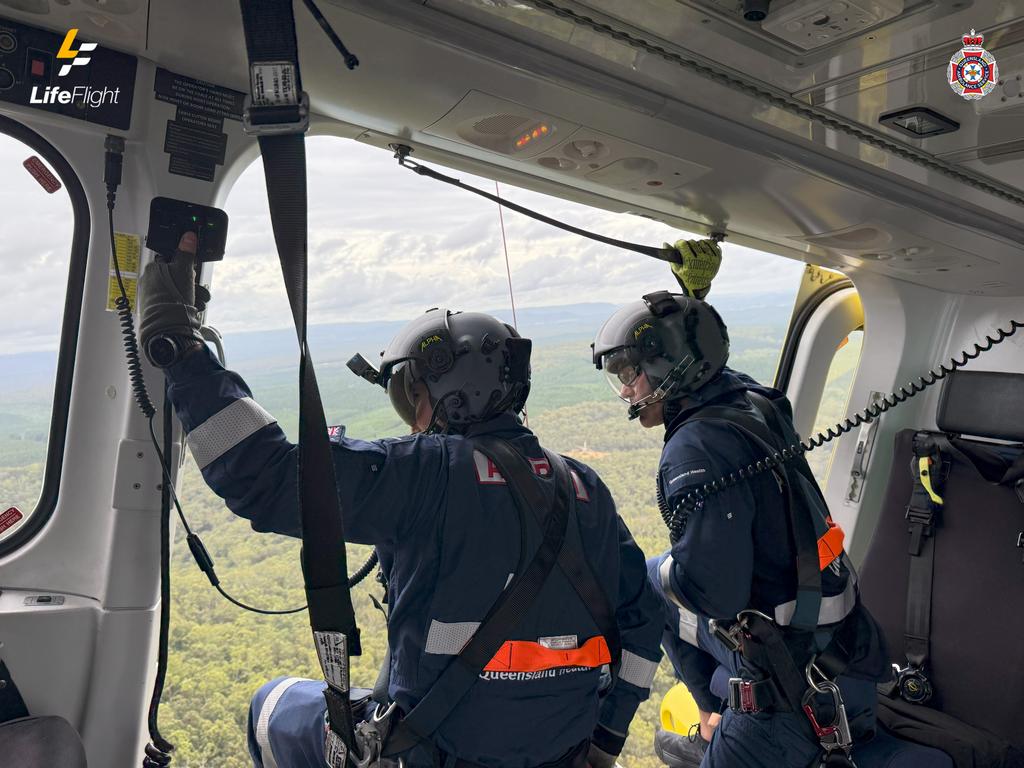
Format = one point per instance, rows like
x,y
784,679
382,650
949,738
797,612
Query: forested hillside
x,y
220,655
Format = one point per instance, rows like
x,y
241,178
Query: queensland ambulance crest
x,y
972,70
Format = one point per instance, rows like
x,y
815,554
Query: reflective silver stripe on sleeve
x,y
449,638
637,670
833,609
226,429
687,618
263,722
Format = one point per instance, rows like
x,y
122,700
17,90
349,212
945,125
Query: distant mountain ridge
x,y
333,343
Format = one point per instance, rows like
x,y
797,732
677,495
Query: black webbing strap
x,y
767,648
801,524
275,117
506,613
922,519
572,559
668,254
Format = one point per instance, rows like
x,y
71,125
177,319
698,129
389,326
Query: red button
x,y
38,68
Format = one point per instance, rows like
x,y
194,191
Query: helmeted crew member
x,y
449,538
734,553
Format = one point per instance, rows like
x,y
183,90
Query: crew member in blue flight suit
x,y
448,535
734,558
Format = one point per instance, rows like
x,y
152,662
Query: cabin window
x,y
835,400
38,245
384,246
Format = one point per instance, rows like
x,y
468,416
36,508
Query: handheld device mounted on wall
x,y
169,219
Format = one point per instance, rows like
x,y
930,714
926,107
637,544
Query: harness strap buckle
x,y
276,119
741,696
730,636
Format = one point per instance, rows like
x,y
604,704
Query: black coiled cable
x,y
676,520
129,339
158,751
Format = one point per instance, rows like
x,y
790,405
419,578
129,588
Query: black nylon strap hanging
x,y
278,116
572,561
922,519
508,610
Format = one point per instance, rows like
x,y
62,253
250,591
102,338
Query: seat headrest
x,y
983,404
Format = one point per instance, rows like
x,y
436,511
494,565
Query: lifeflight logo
x,y
80,94
66,52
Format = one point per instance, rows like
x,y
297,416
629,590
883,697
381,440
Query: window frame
x,y
798,325
70,325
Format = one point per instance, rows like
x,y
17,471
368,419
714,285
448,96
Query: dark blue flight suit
x,y
449,538
735,553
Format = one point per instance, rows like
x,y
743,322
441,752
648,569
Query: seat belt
x,y
277,112
503,617
930,468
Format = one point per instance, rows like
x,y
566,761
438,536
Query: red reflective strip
x,y
830,545
529,656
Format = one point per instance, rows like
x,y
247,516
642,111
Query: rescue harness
x,y
388,732
785,673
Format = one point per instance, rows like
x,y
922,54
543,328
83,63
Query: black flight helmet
x,y
474,366
679,342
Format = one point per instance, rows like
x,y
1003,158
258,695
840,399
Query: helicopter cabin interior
x,y
824,133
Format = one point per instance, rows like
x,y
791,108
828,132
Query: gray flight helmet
x,y
473,365
679,342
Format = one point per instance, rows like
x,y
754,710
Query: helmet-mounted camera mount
x,y
362,368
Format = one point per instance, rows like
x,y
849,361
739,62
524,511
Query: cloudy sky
x,y
384,244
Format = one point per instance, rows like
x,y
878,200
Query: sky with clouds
x,y
384,244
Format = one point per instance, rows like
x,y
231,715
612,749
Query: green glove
x,y
701,260
168,301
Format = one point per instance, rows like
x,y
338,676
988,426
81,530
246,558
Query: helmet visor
x,y
621,371
400,392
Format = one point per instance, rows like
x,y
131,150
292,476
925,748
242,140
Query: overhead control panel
x,y
66,74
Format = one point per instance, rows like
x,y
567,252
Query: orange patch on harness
x,y
529,656
830,545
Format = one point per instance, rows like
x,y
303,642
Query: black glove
x,y
605,746
598,758
169,301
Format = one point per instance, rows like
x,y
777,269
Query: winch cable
x,y
508,272
786,103
277,114
664,253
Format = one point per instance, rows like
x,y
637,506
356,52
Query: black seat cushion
x,y
977,658
40,742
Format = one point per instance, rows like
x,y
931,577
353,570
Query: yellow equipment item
x,y
679,710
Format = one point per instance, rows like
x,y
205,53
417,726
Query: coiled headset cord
x,y
676,518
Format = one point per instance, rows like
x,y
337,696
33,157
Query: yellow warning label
x,y
129,251
114,292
